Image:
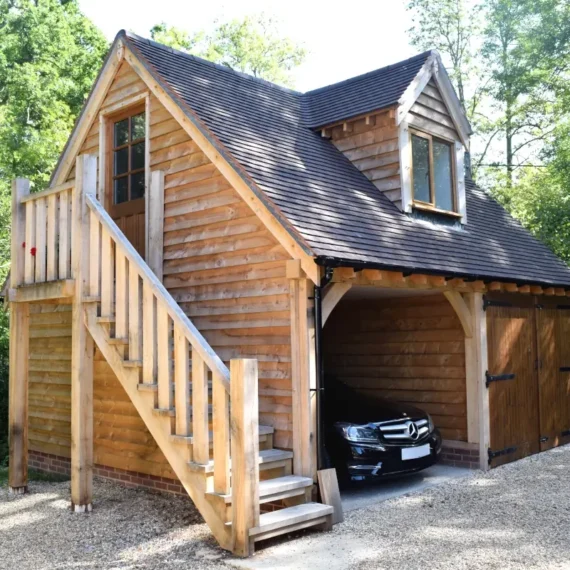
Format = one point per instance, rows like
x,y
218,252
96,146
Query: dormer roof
x,y
336,215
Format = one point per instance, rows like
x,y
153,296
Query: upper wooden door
x,y
513,388
126,141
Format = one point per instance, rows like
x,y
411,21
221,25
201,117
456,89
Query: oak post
x,y
221,435
155,233
82,344
300,370
19,342
245,452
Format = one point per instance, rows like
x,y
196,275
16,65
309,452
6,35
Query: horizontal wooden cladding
x,y
226,271
411,350
50,379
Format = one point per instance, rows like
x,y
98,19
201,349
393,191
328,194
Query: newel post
x,y
82,343
19,343
244,452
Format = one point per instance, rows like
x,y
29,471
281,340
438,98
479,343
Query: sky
x,y
341,41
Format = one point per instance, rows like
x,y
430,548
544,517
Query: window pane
x,y
121,162
443,175
137,127
420,167
121,190
137,185
121,132
137,156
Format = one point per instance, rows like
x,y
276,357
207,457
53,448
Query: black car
x,y
371,437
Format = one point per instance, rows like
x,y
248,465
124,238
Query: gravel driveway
x,y
517,516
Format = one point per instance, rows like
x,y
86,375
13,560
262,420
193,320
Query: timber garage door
x,y
528,377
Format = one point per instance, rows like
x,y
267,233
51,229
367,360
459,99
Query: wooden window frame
x,y
130,206
430,206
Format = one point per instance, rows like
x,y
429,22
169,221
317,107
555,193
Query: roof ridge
x,y
129,34
424,55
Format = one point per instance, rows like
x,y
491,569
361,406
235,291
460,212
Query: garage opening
x,y
404,347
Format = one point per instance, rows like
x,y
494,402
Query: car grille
x,y
405,431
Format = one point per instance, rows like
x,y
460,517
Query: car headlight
x,y
431,425
357,434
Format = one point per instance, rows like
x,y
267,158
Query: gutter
x,y
322,456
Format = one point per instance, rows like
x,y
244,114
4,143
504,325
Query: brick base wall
x,y
62,466
460,454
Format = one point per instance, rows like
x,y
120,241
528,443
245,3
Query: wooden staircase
x,y
203,416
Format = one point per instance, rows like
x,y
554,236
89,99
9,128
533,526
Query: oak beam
x,y
462,311
41,292
331,298
82,347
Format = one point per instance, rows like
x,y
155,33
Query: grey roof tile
x,y
336,211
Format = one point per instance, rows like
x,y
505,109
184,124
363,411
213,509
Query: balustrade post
x,y
245,452
82,343
19,343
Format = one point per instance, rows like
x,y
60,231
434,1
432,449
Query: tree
x,y
252,45
50,55
450,27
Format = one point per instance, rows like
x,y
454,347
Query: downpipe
x,y
323,461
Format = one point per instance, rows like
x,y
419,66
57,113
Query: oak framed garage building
x,y
199,216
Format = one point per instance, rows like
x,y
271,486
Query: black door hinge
x,y
563,307
565,433
539,306
497,378
544,439
565,369
500,452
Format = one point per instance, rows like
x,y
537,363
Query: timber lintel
x,y
39,292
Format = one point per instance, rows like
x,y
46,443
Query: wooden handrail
x,y
48,192
175,312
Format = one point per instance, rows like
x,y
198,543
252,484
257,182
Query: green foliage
x,y
252,45
49,57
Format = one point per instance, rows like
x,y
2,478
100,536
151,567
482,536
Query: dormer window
x,y
433,173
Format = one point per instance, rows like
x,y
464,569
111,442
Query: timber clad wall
x,y
373,149
222,266
430,114
408,349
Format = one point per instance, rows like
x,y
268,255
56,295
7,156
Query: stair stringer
x,y
193,482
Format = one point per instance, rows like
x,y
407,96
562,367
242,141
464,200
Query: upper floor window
x,y
433,173
128,157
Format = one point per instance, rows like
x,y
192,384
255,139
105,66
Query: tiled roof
x,y
335,211
369,92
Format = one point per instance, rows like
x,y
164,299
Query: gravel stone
x,y
513,517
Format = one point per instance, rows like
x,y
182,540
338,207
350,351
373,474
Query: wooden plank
x,y
51,243
18,394
82,345
200,428
60,188
149,336
155,231
221,436
107,274
20,189
330,494
163,357
121,295
245,453
63,235
135,310
40,244
43,292
30,243
94,255
181,382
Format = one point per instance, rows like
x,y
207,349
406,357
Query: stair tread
x,y
132,363
280,485
265,456
290,516
154,386
118,340
263,430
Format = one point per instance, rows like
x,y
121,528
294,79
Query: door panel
x,y
133,226
563,347
513,404
549,383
